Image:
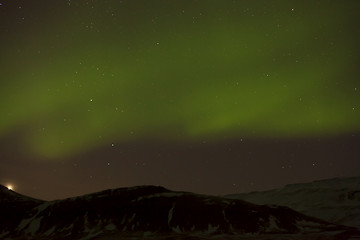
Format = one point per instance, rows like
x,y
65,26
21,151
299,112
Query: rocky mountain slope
x,y
148,211
335,200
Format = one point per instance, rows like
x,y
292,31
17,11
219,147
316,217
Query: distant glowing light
x,y
10,187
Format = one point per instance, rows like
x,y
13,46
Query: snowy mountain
x,y
335,200
147,211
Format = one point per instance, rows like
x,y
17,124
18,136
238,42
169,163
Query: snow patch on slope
x,y
34,226
170,215
165,194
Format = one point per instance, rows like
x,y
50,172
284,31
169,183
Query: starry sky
x,y
213,97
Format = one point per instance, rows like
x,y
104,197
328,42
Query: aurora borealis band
x,y
83,76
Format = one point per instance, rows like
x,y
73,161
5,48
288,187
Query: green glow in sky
x,y
108,71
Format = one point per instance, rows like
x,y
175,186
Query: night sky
x,y
213,97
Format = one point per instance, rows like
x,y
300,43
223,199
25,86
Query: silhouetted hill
x,y
13,208
149,211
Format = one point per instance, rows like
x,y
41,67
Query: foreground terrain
x,y
156,213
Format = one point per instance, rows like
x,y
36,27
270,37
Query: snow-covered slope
x,y
149,211
335,200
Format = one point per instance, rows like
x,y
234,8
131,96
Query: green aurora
x,y
83,74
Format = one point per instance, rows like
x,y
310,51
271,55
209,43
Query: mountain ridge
x,y
149,210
